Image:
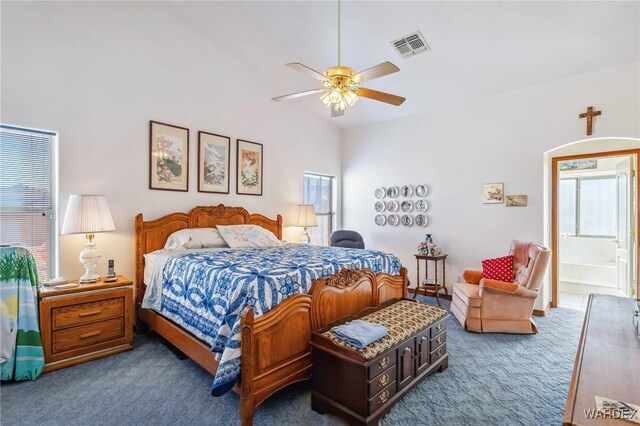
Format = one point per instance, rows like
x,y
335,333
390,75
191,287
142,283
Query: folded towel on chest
x,y
359,333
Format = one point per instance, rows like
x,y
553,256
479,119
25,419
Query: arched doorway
x,y
563,219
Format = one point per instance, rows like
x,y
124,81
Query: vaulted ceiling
x,y
478,48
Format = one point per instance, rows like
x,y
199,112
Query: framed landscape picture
x,y
213,163
492,193
578,165
516,200
249,168
168,157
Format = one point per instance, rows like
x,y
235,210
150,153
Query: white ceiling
x,y
478,48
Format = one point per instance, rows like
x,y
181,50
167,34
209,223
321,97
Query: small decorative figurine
x,y
428,248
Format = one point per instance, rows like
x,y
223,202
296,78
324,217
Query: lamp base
x,y
89,257
305,238
85,279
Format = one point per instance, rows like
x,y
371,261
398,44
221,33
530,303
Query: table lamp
x,y
88,214
305,217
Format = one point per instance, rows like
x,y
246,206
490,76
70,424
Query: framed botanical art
x,y
249,168
492,193
168,157
213,162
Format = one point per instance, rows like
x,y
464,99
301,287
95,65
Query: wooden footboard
x,y
276,348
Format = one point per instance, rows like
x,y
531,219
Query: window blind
x,y
28,193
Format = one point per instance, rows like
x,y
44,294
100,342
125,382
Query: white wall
x,y
456,150
98,72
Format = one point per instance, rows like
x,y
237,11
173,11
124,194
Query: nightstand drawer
x,y
83,313
85,335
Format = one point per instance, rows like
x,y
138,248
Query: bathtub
x,y
587,265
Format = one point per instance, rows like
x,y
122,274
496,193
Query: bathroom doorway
x,y
594,225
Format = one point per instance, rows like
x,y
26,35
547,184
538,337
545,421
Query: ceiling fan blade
x,y
308,71
298,95
377,71
380,96
335,113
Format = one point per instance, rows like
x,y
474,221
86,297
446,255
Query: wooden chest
x,y
363,390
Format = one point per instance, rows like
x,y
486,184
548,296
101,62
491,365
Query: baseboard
x,y
442,296
542,312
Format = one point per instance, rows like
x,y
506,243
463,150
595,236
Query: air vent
x,y
411,45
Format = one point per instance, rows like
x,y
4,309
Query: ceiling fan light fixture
x,y
339,98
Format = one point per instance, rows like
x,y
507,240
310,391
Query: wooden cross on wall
x,y
589,116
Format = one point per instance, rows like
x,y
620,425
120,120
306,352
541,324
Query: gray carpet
x,y
493,379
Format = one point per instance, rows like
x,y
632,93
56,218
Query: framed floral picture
x,y
213,163
168,157
492,193
249,168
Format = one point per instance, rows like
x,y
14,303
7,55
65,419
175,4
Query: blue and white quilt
x,y
206,292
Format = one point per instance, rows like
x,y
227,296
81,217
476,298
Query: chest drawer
x,y
86,335
84,313
376,385
438,340
382,397
438,353
382,363
438,328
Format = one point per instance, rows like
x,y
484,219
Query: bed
x,y
274,343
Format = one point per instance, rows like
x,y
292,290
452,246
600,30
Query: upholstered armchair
x,y
489,306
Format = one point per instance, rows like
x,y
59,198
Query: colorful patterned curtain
x,y
21,354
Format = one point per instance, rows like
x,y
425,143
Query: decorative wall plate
x,y
406,191
380,206
393,220
421,220
406,220
380,192
380,219
422,190
392,206
392,192
407,206
422,205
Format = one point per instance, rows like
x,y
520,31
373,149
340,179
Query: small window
x,y
28,194
597,207
587,207
568,207
319,190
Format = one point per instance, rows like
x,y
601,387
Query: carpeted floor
x,y
492,379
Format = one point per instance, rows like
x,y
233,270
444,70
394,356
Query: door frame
x,y
555,264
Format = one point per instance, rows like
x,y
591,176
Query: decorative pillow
x,y
243,236
500,269
195,238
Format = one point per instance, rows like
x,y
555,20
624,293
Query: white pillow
x,y
242,236
191,238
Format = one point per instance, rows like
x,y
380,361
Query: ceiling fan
x,y
341,85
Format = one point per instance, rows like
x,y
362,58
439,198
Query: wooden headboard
x,y
152,235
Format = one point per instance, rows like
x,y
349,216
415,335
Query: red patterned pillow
x,y
500,269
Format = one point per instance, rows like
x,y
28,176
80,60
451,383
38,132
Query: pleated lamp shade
x,y
87,214
306,216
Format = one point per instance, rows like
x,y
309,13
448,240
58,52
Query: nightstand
x,y
86,322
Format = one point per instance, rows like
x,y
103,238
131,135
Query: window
x,y
28,194
319,190
587,206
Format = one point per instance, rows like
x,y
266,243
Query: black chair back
x,y
345,238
